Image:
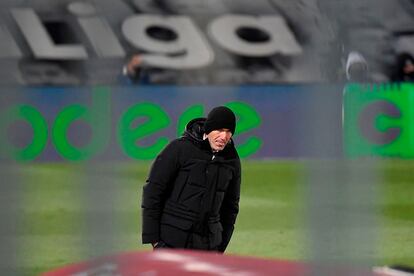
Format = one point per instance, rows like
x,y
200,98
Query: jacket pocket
x,y
179,185
177,222
175,231
197,174
224,179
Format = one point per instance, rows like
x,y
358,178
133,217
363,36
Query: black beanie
x,y
218,118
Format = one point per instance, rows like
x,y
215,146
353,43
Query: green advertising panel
x,y
379,120
96,122
137,122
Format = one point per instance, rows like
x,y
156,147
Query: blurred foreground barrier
x,y
183,262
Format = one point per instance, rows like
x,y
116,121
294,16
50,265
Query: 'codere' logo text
x,y
136,123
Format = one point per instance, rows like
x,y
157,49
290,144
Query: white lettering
x,y
97,29
281,40
186,48
40,41
189,50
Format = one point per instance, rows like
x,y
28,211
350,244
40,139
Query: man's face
x,y
219,138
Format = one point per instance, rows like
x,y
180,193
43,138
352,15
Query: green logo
x,y
97,117
378,120
135,130
32,116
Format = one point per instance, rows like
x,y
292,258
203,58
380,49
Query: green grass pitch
x,y
55,212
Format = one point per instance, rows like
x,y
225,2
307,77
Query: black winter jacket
x,y
191,190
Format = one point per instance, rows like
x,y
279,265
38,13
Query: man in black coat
x,y
191,199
